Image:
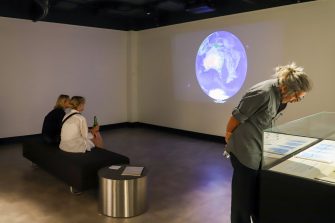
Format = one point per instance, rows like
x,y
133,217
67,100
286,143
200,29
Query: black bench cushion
x,y
76,169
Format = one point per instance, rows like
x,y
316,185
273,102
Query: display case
x,y
283,141
297,182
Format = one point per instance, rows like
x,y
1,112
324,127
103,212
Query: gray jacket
x,y
255,112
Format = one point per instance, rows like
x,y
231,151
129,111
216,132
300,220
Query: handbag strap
x,y
69,117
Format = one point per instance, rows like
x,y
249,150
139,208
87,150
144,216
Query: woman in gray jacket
x,y
255,113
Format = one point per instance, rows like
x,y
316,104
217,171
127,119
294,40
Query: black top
x,y
52,125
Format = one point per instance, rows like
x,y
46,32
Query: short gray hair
x,y
293,78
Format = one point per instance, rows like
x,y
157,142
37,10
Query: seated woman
x,y
52,123
75,136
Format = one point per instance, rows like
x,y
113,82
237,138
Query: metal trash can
x,y
122,196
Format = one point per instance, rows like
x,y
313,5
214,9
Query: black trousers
x,y
245,187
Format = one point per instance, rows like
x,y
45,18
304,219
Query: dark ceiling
x,y
130,14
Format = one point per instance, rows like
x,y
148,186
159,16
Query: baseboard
x,y
19,139
220,139
115,126
192,134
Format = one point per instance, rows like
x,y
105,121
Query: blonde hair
x,y
76,101
60,103
293,78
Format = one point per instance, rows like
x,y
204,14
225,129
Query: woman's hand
x,y
227,137
97,140
231,126
95,130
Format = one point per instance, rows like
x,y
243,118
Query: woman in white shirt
x,y
75,136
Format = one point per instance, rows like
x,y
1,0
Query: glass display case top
x,y
283,141
331,137
320,125
304,148
316,163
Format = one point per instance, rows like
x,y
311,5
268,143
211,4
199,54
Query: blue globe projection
x,y
221,65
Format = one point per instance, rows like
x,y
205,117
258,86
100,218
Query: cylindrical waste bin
x,y
122,196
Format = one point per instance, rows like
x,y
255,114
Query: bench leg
x,y
74,191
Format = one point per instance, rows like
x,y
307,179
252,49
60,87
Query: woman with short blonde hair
x,y
75,136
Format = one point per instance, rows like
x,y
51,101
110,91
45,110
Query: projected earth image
x,y
221,65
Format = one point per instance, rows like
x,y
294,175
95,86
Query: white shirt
x,y
75,137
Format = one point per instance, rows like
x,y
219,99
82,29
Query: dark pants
x,y
244,198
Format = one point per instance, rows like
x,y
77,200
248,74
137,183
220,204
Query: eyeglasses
x,y
297,97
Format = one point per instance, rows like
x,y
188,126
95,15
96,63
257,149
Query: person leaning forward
x,y
255,112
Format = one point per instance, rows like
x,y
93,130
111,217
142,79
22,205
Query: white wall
x,y
39,61
168,92
149,76
132,66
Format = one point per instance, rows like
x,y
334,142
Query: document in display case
x,y
278,145
283,141
316,162
298,171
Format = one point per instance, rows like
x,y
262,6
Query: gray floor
x,y
189,182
